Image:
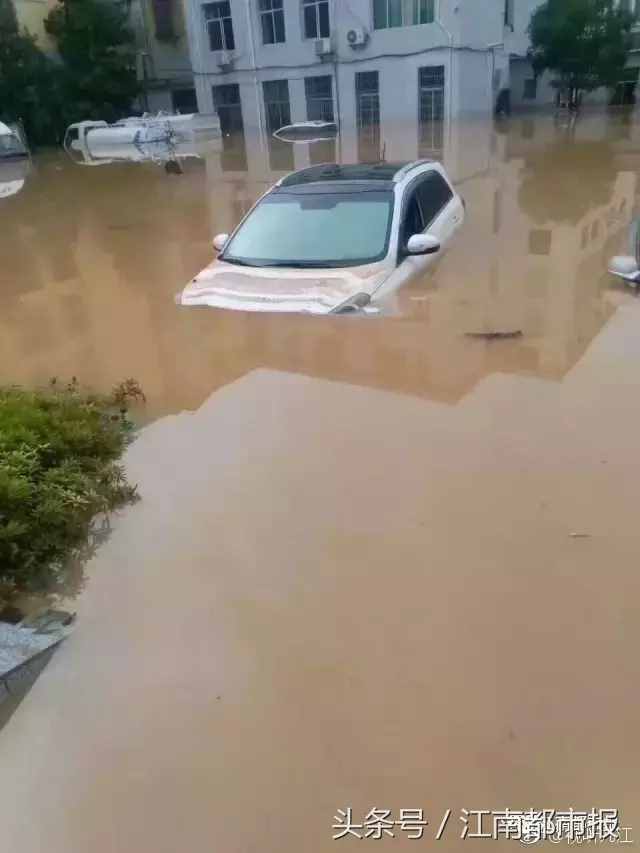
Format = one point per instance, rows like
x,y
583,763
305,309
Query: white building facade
x,y
271,62
163,55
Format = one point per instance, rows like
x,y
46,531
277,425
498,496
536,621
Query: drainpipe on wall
x,y
144,56
252,48
449,36
492,48
333,20
194,23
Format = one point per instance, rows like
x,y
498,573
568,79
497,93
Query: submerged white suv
x,y
332,239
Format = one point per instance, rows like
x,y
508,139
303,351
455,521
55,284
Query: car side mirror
x,y
422,244
219,241
625,267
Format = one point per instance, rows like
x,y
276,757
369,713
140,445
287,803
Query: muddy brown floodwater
x,y
354,578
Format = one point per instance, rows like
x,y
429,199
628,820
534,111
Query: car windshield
x,y
314,230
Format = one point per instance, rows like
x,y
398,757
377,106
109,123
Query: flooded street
x,y
378,562
97,255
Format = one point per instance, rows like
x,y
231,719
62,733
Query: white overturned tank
x,y
157,138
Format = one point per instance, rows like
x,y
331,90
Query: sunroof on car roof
x,y
333,172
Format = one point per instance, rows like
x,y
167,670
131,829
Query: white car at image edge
x,y
333,239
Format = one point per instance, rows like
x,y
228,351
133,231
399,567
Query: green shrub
x,y
59,453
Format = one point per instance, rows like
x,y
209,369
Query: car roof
x,y
362,177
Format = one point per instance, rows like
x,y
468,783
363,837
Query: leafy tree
x,y
98,55
584,42
29,89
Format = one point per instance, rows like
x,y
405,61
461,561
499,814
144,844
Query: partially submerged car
x,y
332,239
13,174
12,143
15,162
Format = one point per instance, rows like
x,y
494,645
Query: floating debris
x,y
307,131
495,336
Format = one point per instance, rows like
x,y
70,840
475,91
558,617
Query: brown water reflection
x,y
93,258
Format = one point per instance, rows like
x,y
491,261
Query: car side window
x,y
412,222
434,194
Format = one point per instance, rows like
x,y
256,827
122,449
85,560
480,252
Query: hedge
x,y
59,469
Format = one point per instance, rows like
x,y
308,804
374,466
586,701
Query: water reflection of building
x,y
531,257
537,250
106,271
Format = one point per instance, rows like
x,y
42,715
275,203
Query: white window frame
x,y
324,103
405,4
316,3
432,129
219,21
272,12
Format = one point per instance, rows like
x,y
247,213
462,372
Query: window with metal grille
x,y
402,13
316,19
278,111
431,110
226,100
219,25
368,116
276,99
319,95
530,89
272,20
367,81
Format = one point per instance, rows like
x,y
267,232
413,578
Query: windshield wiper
x,y
238,262
302,265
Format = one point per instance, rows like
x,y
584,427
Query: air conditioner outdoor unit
x,y
323,47
357,37
225,59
